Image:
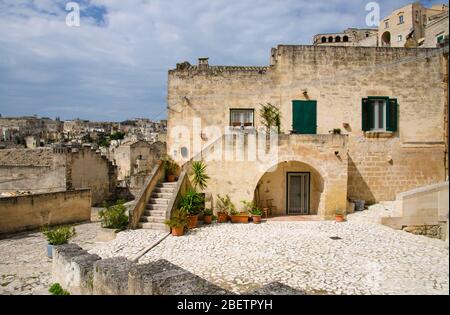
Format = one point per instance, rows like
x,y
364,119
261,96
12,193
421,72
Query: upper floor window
x,y
399,38
386,24
242,118
401,19
440,38
379,114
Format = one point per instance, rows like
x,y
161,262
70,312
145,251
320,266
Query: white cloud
x,y
119,70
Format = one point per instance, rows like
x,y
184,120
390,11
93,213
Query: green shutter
x,y
392,115
365,114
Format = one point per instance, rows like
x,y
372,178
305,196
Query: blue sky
x,y
114,66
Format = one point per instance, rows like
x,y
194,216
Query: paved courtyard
x,y
367,258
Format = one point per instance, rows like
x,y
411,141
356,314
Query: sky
x,y
114,65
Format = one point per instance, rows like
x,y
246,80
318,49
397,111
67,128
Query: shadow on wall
x,y
82,273
357,187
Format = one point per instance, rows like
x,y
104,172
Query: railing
x,y
145,194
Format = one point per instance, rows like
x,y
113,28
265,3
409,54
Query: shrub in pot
x,y
58,236
177,223
224,206
191,204
239,217
207,216
113,220
256,214
170,168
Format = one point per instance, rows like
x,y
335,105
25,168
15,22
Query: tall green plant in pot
x,y
270,117
199,179
191,204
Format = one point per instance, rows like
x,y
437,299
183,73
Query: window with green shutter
x,y
379,113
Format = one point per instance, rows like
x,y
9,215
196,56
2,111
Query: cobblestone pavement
x,y
368,259
24,266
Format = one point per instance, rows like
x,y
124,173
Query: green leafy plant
x,y
170,166
250,207
117,136
199,176
56,289
214,218
207,212
114,217
270,116
60,235
179,219
224,204
191,203
256,211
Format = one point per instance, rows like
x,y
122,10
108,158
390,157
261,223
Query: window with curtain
x,y
242,118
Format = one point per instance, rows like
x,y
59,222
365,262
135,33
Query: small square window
x,y
399,38
241,118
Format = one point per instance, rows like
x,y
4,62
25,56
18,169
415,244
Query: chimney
x,y
203,63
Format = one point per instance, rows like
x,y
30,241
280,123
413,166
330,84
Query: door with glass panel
x,y
298,193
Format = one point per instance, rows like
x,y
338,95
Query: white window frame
x,y
399,38
246,116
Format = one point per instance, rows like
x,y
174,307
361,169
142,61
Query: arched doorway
x,y
386,39
291,188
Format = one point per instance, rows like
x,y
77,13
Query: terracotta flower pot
x,y
192,221
239,218
178,231
340,218
207,219
222,217
171,178
256,219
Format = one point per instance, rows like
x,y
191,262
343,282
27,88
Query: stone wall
x,y
36,171
338,78
34,211
88,169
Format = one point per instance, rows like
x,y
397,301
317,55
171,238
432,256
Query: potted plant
x,y
224,206
199,177
113,220
191,203
256,214
170,168
207,216
239,217
58,236
339,216
177,223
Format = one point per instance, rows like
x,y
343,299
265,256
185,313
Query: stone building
x,y
52,170
383,139
134,156
437,29
407,22
350,37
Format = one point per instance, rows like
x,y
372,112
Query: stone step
x,y
153,226
164,190
155,213
153,219
160,201
157,206
167,185
162,195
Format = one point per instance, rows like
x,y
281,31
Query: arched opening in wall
x,y
386,39
291,188
330,39
338,39
345,39
324,39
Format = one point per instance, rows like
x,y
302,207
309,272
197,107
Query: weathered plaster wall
x,y
34,211
338,78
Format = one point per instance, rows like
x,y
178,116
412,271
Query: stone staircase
x,y
155,214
